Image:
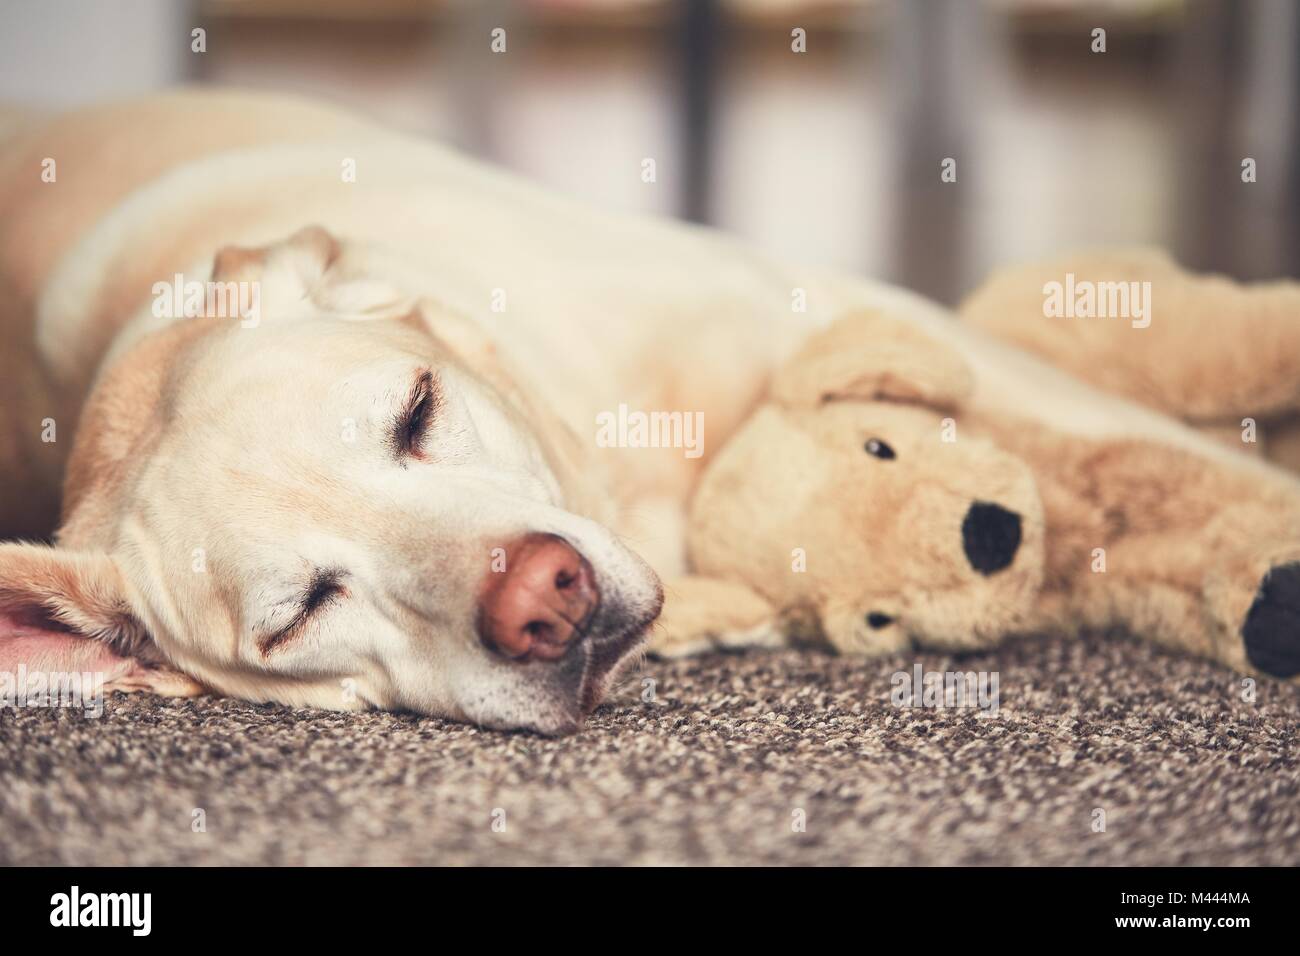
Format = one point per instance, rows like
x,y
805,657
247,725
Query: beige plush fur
x,y
1113,532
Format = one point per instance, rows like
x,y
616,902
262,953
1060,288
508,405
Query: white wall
x,y
66,52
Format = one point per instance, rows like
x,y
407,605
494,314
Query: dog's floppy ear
x,y
870,357
67,612
308,253
310,264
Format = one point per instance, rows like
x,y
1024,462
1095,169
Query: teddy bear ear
x,y
865,356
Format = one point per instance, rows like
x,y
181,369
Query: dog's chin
x,y
571,717
597,684
555,698
617,644
604,663
595,669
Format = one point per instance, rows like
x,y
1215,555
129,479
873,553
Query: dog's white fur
x,y
203,443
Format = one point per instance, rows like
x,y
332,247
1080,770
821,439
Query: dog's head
x,y
855,495
344,500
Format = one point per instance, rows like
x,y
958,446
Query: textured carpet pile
x,y
731,756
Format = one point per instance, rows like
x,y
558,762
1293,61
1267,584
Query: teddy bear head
x,y
853,503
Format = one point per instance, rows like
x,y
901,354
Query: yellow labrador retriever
x,y
323,405
333,417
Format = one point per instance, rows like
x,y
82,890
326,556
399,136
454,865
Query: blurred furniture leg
x,y
479,74
1209,57
699,47
1240,90
1271,95
936,49
1288,209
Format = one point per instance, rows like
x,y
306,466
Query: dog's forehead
x,y
245,376
319,349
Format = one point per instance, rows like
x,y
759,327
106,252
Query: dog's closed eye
x,y
324,588
412,423
875,446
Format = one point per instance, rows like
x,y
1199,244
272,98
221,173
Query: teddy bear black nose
x,y
990,535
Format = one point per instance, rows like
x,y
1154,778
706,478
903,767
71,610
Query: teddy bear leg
x,y
1271,631
1254,600
1228,591
1243,569
706,614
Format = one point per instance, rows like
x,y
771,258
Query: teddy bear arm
x,y
1200,347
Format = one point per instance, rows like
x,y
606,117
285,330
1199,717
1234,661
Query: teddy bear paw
x,y
761,635
1271,632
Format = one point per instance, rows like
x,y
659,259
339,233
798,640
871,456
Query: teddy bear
x,y
904,485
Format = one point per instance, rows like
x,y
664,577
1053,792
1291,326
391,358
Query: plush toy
x,y
907,485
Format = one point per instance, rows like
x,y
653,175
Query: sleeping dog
x,y
312,411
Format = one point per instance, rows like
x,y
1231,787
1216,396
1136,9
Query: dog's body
x,y
567,314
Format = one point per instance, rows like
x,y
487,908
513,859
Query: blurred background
x,y
815,129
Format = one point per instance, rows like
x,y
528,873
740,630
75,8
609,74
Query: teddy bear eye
x,y
877,620
875,446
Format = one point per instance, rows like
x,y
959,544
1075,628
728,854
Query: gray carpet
x,y
712,771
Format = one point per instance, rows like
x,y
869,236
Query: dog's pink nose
x,y
538,605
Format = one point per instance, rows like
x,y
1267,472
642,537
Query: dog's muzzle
x,y
544,611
